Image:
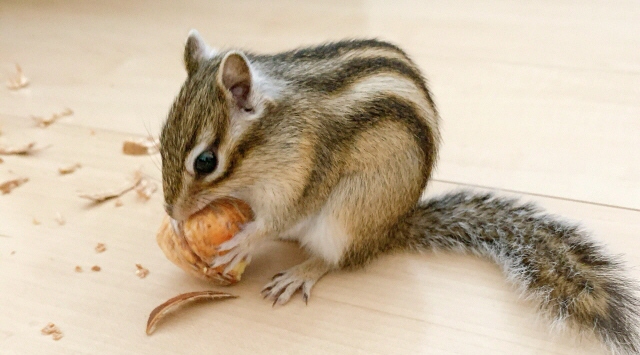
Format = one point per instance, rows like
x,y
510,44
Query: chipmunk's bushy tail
x,y
555,263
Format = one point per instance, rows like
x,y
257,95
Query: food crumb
x,y
24,149
53,330
146,188
69,168
49,329
92,132
78,268
141,271
18,81
35,221
13,252
9,185
118,203
141,146
46,122
95,268
60,219
100,248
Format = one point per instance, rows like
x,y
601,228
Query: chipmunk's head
x,y
219,100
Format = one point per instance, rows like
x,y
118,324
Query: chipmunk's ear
x,y
235,77
196,51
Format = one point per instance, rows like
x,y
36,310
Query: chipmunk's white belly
x,y
321,235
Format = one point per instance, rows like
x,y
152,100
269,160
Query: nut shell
x,y
180,300
194,248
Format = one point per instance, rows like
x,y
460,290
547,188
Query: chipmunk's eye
x,y
205,163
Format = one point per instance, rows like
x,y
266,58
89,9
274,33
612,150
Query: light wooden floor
x,y
538,98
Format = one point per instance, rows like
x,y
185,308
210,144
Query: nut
x,y
194,247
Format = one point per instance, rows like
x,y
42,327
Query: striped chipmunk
x,y
332,147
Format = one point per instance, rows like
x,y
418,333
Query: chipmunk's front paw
x,y
231,259
237,249
240,247
300,277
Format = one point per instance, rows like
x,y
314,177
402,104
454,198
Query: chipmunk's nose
x,y
169,209
176,213
175,224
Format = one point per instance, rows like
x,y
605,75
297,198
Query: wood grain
x,y
538,99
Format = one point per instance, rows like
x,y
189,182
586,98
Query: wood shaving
x,y
60,219
9,185
118,203
143,186
146,188
26,149
78,268
46,122
162,310
49,329
141,146
100,248
95,268
69,169
1,160
53,330
18,81
141,271
98,197
35,221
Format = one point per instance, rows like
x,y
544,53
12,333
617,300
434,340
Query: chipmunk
x,y
332,147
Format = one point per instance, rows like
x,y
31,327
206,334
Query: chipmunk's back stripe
x,y
337,136
397,109
333,50
356,69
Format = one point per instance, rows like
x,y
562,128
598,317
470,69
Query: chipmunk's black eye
x,y
205,163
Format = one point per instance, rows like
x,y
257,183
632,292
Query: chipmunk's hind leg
x,y
300,277
381,183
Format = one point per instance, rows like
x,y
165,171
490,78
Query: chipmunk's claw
x,y
282,288
301,277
